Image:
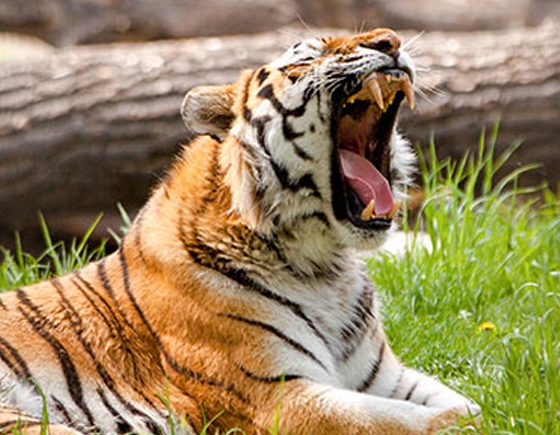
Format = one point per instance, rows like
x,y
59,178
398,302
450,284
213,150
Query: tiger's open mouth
x,y
363,123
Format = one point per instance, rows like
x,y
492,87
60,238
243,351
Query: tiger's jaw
x,y
362,128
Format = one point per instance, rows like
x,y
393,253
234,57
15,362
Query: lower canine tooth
x,y
369,211
395,209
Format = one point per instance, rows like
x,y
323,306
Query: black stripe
x,y
37,321
352,58
428,397
247,111
259,124
273,330
128,290
321,116
268,93
102,273
368,382
153,427
122,425
62,409
306,181
294,77
354,332
268,379
4,358
398,383
241,277
138,235
300,152
112,325
262,75
289,132
281,173
247,114
99,368
411,391
23,369
318,215
195,376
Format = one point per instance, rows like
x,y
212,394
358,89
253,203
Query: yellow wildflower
x,y
486,326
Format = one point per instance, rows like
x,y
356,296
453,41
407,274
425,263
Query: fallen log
x,y
87,127
64,22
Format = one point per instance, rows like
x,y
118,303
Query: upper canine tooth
x,y
409,93
369,211
373,86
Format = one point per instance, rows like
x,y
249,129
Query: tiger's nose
x,y
386,41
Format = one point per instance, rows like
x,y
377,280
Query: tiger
x,y
238,298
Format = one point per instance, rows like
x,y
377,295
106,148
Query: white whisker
x,y
408,44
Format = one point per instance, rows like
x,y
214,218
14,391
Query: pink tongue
x,y
367,181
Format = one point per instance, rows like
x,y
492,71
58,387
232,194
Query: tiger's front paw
x,y
455,416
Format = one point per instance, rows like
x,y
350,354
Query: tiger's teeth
x,y
352,98
409,93
373,86
369,211
395,209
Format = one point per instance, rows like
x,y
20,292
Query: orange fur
x,y
147,317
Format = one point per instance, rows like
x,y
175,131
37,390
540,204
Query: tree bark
x,y
70,22
426,15
87,127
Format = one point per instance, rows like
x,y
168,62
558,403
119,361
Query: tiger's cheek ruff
x,y
284,174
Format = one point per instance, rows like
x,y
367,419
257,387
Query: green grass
x,y
496,258
19,268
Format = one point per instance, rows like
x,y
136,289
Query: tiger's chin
x,y
363,131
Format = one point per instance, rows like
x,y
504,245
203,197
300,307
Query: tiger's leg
x,y
310,408
11,419
395,381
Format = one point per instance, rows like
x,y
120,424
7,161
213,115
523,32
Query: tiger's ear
x,y
208,110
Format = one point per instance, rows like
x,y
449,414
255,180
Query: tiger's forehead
x,y
316,49
349,44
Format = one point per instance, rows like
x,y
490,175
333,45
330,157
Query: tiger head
x,y
309,142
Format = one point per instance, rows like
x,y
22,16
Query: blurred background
x,y
90,90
